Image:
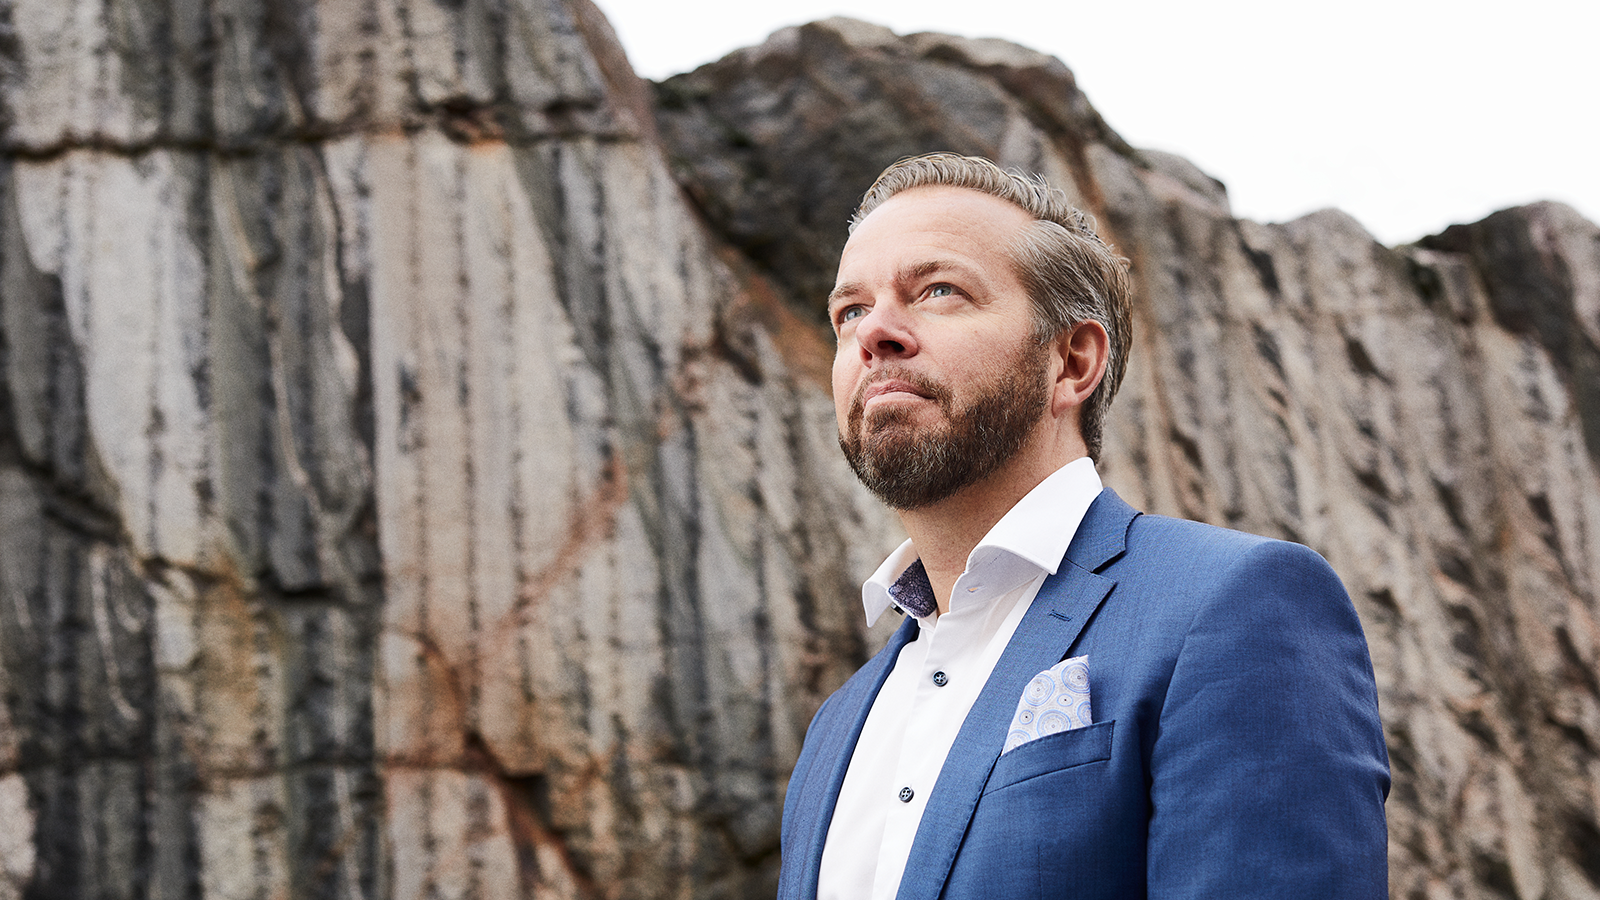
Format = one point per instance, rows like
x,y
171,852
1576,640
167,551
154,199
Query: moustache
x,y
922,384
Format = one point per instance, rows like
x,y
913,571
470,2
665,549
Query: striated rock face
x,y
1427,417
402,495
412,484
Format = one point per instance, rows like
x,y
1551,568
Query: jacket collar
x,y
1103,536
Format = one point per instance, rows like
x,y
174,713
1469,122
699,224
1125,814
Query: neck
x,y
945,532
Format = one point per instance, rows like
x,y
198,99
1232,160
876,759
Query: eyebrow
x,y
921,270
841,291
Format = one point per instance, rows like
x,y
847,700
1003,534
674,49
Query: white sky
x,y
1408,114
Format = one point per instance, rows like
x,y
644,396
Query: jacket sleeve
x,y
1268,769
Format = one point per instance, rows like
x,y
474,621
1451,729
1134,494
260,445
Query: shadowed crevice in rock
x,y
1522,256
776,143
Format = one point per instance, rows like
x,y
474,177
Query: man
x,y
1083,701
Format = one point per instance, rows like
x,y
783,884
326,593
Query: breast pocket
x,y
1052,753
1060,816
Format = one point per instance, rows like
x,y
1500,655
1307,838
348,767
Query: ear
x,y
1083,351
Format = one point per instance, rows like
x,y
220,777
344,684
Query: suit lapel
x,y
1052,623
826,764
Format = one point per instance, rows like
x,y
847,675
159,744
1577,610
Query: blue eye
x,y
851,312
941,290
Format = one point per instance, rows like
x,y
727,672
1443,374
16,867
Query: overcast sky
x,y
1408,114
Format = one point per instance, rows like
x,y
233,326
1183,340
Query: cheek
x,y
844,379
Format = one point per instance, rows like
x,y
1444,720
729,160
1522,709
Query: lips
x,y
886,386
891,382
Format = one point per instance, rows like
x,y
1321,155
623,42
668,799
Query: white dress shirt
x,y
937,678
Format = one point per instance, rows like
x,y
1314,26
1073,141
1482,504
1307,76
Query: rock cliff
x,y
404,494
417,471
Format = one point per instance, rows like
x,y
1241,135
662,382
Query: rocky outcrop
x,y
417,474
1425,416
403,496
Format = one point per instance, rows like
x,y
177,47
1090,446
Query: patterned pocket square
x,y
1057,699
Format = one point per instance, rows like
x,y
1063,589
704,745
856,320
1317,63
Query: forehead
x,y
978,227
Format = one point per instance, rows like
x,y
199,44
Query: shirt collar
x,y
1036,530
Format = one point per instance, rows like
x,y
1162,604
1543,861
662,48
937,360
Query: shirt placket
x,y
932,709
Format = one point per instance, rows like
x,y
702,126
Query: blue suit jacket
x,y
1236,750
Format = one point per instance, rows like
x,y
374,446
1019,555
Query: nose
x,y
885,333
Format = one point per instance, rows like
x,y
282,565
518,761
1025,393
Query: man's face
x,y
937,382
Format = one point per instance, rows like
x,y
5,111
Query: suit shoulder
x,y
1153,532
1163,542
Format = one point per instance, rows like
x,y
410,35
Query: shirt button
x,y
906,793
940,679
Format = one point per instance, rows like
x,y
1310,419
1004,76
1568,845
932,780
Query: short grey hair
x,y
1070,273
